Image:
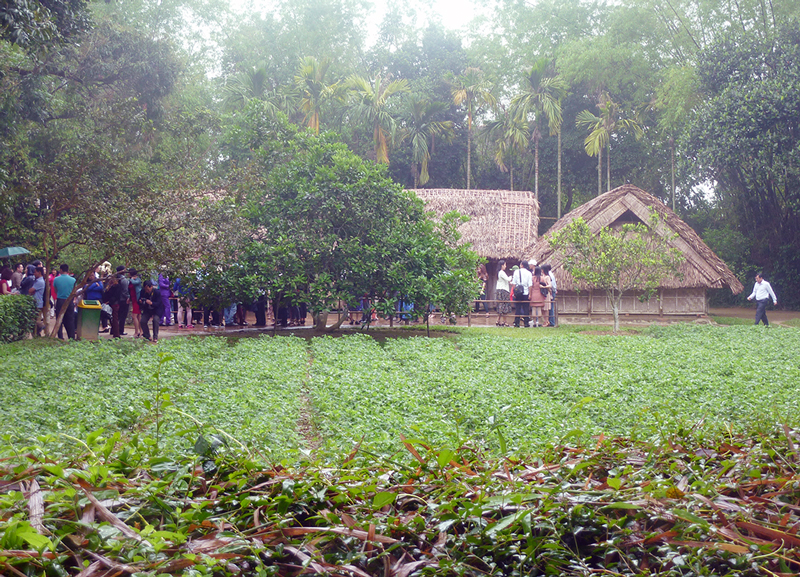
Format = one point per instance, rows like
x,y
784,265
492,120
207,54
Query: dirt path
x,y
305,424
774,316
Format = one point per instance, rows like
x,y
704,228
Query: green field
x,y
667,452
281,396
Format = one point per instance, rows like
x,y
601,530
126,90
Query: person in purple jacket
x,y
163,287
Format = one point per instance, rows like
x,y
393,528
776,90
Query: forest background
x,y
126,125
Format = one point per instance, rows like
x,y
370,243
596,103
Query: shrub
x,y
17,317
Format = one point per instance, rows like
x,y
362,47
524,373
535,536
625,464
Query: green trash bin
x,y
88,323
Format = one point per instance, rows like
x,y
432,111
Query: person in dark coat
x,y
111,297
152,307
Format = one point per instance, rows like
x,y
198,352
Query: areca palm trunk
x,y
536,170
599,172
558,212
608,167
469,152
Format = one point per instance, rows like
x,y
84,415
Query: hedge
x,y
17,317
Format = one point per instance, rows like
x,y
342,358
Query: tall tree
x,y
509,134
746,139
421,128
315,90
540,95
472,91
369,102
602,129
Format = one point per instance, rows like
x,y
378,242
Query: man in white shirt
x,y
762,291
523,278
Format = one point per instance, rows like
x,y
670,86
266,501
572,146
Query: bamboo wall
x,y
683,301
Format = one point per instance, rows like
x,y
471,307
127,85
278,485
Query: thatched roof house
x,y
701,270
503,223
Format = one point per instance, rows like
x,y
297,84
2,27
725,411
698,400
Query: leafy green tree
x,y
635,257
40,25
472,90
253,83
540,95
329,227
746,138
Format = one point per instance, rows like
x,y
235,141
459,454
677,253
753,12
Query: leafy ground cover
x,y
249,391
523,394
671,452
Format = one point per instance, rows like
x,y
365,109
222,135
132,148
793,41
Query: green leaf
x,y
630,506
382,499
445,456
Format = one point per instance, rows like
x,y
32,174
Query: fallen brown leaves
x,y
615,506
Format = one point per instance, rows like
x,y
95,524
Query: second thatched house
x,y
684,295
503,223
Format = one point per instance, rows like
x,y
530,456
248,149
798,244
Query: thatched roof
x,y
702,268
503,223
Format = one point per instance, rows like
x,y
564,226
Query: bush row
x,y
17,317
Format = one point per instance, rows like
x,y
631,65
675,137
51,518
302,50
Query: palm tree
x,y
509,133
601,128
541,96
473,91
314,92
252,84
421,129
369,102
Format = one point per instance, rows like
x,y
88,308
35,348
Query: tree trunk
x,y
616,299
672,151
469,153
536,169
608,167
558,212
599,172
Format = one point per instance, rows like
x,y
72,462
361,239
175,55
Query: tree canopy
x,y
697,105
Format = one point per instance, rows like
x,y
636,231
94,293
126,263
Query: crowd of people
x,y
531,290
158,301
122,294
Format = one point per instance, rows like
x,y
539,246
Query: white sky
x,y
454,14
